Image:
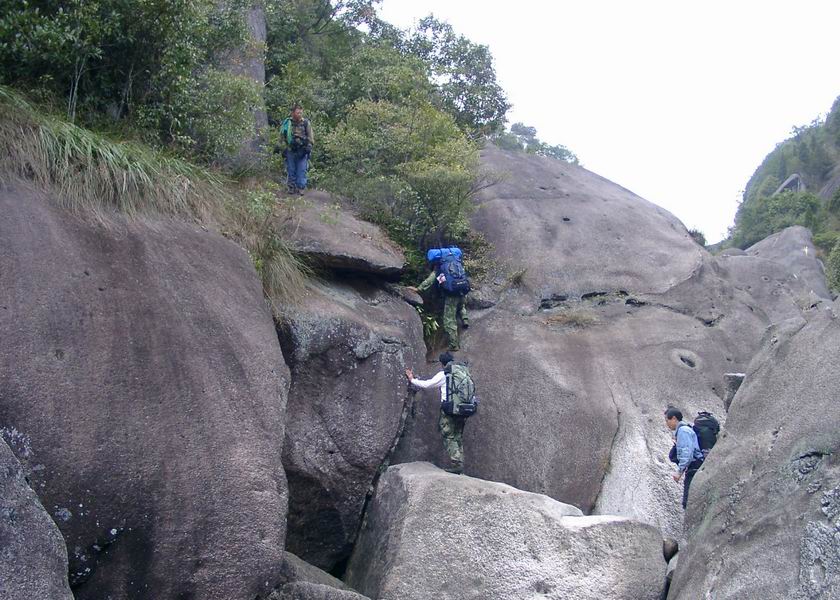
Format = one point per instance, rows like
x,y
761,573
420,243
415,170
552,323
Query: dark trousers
x,y
689,475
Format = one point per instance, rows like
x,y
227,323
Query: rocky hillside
x,y
187,445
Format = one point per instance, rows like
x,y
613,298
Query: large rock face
x,y
33,558
332,236
141,370
433,535
619,314
577,233
781,273
764,515
348,345
793,249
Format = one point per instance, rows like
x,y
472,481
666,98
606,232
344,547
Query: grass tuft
x,y
573,318
93,176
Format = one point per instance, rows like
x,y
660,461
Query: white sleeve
x,y
439,380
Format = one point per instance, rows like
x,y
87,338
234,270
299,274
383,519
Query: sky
x,y
677,101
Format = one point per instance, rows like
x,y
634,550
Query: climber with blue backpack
x,y
450,278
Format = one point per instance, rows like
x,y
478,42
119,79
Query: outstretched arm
x,y
427,283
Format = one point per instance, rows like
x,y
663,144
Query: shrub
x,y
408,167
765,216
697,236
833,268
826,240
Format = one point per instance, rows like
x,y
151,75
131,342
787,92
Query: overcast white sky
x,y
677,101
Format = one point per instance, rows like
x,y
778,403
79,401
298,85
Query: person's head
x,y
673,416
446,358
296,112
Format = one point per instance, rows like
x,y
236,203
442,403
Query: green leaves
x,y
766,215
151,61
408,166
832,269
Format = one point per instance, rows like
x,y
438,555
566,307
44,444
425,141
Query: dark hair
x,y
295,106
446,358
672,412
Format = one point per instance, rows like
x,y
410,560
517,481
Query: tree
x,y
463,73
766,215
407,165
149,62
524,137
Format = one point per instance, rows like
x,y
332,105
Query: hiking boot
x,y
292,189
300,191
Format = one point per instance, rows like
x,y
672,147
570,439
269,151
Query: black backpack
x,y
707,428
452,276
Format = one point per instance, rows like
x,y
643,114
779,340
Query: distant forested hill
x,y
798,183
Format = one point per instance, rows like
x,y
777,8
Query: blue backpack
x,y
452,277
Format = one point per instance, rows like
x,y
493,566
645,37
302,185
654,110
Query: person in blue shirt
x,y
689,457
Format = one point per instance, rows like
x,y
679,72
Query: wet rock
x,y
141,369
33,558
430,534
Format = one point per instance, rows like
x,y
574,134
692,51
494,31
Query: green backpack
x,y
461,400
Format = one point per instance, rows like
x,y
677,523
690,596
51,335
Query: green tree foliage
x,y
463,73
697,236
523,137
812,152
409,167
765,216
833,268
151,64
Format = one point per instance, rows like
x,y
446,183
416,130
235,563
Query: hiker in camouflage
x,y
451,426
454,307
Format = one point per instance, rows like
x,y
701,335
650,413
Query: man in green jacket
x,y
298,139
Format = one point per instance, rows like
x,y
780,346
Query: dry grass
x,y
572,318
95,177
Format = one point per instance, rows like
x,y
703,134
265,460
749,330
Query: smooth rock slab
x,y
33,558
141,370
430,534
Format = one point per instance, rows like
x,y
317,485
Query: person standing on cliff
x,y
689,457
451,426
297,137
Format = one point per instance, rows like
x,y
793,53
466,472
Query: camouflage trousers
x,y
453,308
452,429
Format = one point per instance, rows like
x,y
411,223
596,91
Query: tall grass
x,y
93,176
